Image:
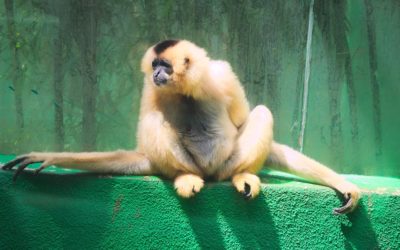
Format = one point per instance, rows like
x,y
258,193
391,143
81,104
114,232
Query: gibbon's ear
x,y
147,59
186,61
195,60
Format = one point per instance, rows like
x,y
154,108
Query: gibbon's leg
x,y
187,185
287,159
121,162
252,149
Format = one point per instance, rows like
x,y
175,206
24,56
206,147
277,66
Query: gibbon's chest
x,y
204,130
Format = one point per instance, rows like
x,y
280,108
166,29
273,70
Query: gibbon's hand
x,y
24,161
351,194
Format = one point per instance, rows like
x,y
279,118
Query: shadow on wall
x,y
216,222
276,221
50,210
360,234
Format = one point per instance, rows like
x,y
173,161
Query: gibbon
x,y
195,124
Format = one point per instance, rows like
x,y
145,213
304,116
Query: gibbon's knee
x,y
262,114
253,145
257,134
260,120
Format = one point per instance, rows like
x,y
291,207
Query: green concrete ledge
x,y
63,209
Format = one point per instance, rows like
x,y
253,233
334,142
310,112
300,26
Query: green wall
x,y
60,209
70,78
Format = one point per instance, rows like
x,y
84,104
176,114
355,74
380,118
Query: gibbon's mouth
x,y
160,81
160,77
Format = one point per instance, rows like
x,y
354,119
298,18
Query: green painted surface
x,y
60,209
70,78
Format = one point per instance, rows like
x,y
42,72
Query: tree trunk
x,y
58,86
343,58
16,74
373,67
86,35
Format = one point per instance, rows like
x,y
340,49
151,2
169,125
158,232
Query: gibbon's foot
x,y
22,162
187,185
351,194
247,184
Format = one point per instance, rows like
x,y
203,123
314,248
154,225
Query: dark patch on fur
x,y
196,125
162,46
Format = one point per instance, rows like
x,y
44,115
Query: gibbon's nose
x,y
160,77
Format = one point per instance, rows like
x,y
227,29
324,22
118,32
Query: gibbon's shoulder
x,y
221,71
224,80
222,75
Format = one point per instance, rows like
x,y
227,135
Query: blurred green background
x,y
70,77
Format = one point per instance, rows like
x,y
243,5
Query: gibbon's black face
x,y
162,70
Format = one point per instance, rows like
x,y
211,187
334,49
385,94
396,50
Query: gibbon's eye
x,y
165,63
155,63
162,63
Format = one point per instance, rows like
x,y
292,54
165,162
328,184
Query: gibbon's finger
x,y
247,191
21,168
345,208
9,165
43,166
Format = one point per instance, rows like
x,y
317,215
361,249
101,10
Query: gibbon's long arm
x,y
284,158
223,78
118,162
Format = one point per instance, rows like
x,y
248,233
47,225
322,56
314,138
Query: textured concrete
x,y
64,209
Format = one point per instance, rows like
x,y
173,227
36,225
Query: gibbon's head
x,y
178,65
